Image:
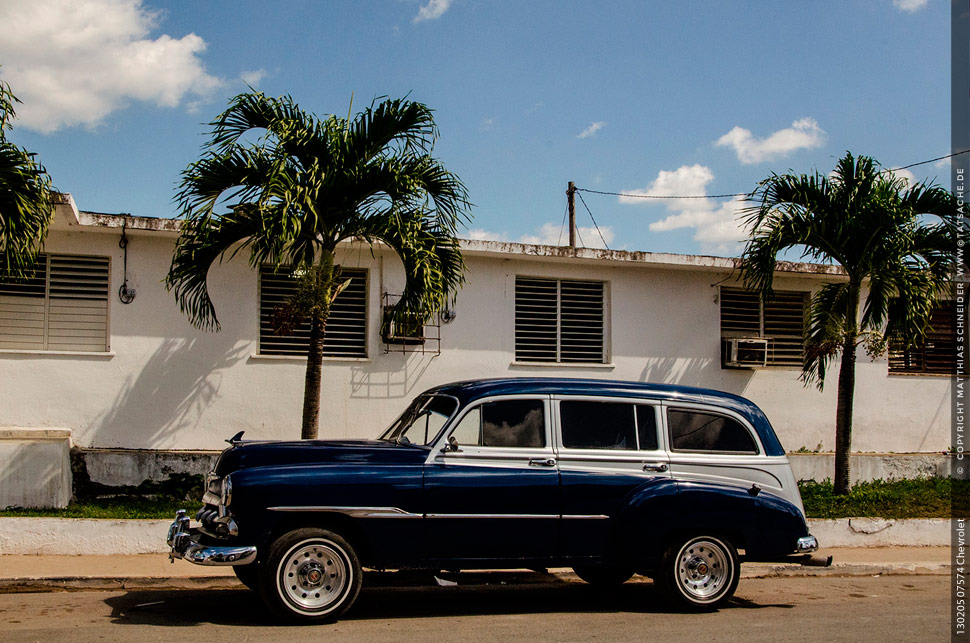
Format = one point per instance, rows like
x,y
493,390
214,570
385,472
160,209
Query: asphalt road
x,y
882,608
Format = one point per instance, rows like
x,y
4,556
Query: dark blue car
x,y
609,478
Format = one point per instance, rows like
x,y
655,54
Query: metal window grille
x,y
558,320
937,353
346,331
61,306
781,321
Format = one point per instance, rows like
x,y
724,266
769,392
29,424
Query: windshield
x,y
422,421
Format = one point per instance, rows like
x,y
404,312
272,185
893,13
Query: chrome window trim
x,y
480,453
612,455
395,512
356,512
498,516
713,410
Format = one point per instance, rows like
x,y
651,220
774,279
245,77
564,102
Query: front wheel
x,y
310,574
702,572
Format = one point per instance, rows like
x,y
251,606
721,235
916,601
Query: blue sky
x,y
639,96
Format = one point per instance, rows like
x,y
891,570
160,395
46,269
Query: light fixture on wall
x,y
125,294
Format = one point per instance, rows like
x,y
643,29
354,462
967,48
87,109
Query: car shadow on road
x,y
242,607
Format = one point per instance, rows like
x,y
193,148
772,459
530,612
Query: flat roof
x,y
496,249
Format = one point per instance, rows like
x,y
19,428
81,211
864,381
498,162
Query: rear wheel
x,y
702,572
310,574
603,575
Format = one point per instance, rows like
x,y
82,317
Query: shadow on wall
x,y
701,372
393,377
171,391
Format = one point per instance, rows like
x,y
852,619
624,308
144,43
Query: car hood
x,y
246,455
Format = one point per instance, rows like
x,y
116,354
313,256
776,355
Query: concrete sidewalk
x,y
154,571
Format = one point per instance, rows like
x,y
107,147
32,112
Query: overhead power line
x,y
738,194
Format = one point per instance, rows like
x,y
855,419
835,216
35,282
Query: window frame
x,y
50,258
473,450
895,353
518,348
708,410
773,361
619,454
364,274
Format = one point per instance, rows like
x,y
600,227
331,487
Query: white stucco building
x,y
139,376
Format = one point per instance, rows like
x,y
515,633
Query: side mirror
x,y
452,446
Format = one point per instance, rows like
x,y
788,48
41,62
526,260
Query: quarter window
x,y
706,432
607,425
61,306
346,331
504,423
559,320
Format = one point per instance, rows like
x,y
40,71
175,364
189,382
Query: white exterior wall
x,y
167,385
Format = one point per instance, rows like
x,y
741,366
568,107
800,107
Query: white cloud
x,y
253,77
592,129
717,226
551,234
803,134
911,6
73,63
433,10
905,175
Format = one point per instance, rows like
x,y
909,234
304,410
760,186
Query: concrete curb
x,y
71,536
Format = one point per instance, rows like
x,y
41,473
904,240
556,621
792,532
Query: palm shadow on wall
x,y
171,391
702,372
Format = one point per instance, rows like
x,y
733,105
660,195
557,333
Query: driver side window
x,y
504,423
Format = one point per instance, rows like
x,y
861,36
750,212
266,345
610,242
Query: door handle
x,y
655,466
542,462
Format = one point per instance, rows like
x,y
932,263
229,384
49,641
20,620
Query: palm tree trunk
x,y
314,379
846,394
322,277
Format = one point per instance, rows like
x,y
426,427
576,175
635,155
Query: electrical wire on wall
x,y
125,294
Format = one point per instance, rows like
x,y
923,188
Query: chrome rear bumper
x,y
806,545
183,543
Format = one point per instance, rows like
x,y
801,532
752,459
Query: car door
x,y
608,450
494,493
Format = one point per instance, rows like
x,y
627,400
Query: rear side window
x,y
503,423
707,433
598,425
607,425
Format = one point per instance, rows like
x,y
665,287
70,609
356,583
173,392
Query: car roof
x,y
471,390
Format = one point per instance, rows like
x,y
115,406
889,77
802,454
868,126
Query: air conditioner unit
x,y
744,352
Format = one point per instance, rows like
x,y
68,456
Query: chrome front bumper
x,y
183,543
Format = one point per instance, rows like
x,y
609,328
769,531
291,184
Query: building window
x,y
61,306
346,331
558,320
937,353
780,322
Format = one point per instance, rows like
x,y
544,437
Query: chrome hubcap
x,y
704,569
313,576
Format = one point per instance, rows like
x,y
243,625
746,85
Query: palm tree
x,y
303,186
26,205
896,259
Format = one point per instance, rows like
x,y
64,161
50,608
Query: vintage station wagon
x,y
609,478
